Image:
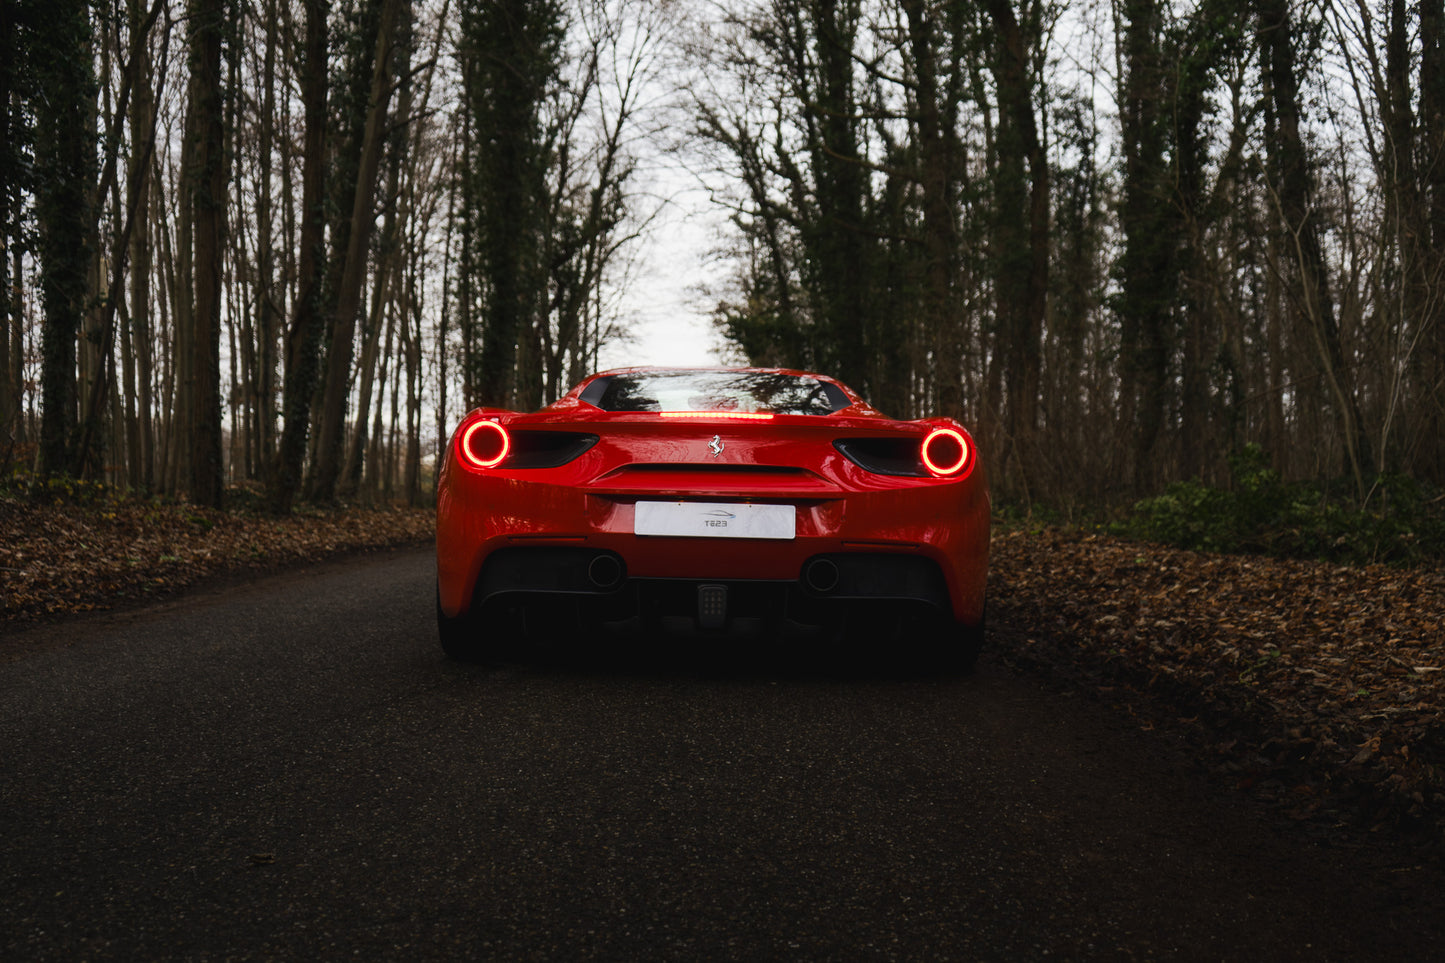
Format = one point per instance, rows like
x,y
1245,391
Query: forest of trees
x,y
284,244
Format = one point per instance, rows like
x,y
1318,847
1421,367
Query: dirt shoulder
x,y
1313,686
59,557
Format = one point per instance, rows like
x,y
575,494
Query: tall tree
x,y
15,139
206,180
1295,194
838,240
136,343
1432,166
510,56
1021,221
352,275
65,176
386,263
1199,47
303,337
263,380
934,148
1148,281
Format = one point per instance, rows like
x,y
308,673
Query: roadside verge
x,y
1317,687
63,558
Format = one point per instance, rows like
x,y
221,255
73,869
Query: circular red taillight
x,y
945,452
485,444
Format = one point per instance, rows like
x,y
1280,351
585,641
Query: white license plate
x,y
715,520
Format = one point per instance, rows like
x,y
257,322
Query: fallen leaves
x,y
66,557
1316,684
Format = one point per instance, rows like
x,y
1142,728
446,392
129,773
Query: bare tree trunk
x,y
1432,161
268,315
1295,190
353,273
377,314
376,457
65,178
16,326
174,313
940,241
241,425
1022,199
388,267
1148,279
511,51
449,298
411,484
135,336
206,185
303,340
11,137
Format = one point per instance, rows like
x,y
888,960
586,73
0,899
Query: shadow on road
x,y
726,657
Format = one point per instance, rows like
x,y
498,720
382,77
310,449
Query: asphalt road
x,y
288,768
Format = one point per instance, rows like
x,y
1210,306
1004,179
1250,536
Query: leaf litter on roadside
x,y
1313,685
61,557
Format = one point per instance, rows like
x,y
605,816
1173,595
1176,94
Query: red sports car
x,y
709,500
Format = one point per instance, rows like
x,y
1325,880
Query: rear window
x,y
738,391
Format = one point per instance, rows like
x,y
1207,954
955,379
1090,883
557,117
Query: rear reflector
x,y
712,606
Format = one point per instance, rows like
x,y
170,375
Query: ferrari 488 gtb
x,y
695,501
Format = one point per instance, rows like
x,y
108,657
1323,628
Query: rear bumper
x,y
499,537
566,585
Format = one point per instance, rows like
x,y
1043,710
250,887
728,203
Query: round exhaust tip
x,y
605,571
821,575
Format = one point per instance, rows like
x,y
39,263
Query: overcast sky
x,y
664,304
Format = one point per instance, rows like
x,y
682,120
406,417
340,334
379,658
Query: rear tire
x,y
958,655
459,636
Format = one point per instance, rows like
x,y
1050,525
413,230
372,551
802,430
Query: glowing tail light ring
x,y
951,468
493,451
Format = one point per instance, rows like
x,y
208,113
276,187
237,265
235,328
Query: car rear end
x,y
710,520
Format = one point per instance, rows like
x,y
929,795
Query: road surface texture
x,y
288,768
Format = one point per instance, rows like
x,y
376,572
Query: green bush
x,y
1402,521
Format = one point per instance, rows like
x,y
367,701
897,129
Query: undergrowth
x,y
21,487
1402,522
